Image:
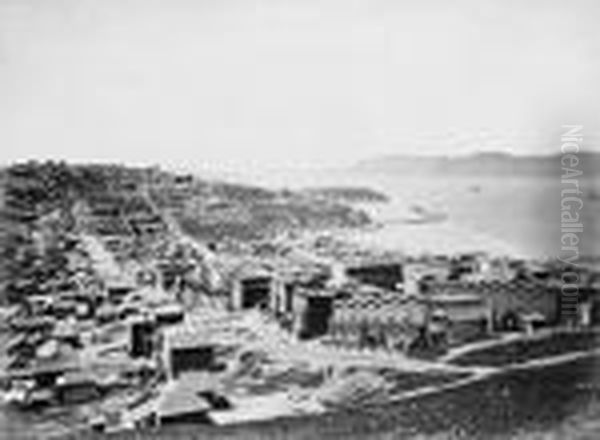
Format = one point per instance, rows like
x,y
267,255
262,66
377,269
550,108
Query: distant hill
x,y
479,164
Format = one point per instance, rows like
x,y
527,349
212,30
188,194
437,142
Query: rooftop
x,y
317,293
181,397
457,298
180,337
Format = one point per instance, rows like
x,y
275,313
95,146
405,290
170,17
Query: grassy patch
x,y
525,350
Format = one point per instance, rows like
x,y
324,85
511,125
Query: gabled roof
x,y
181,397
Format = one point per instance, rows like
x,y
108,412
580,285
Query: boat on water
x,y
421,215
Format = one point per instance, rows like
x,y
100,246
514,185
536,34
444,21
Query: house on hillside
x,y
312,312
462,317
254,286
195,349
368,317
379,272
417,272
76,387
507,300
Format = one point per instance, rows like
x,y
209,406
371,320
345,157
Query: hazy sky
x,y
297,81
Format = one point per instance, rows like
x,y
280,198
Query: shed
x,y
182,402
313,309
169,313
186,350
36,323
76,387
467,316
252,286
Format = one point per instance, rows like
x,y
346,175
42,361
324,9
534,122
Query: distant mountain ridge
x,y
480,164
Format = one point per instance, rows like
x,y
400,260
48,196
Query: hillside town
x,y
144,299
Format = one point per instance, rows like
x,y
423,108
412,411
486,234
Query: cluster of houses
x,y
409,304
59,334
414,305
123,222
133,321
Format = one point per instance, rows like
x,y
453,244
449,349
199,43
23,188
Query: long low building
x,y
462,317
193,347
187,399
366,316
506,299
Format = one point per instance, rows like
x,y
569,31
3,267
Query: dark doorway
x,y
317,316
256,292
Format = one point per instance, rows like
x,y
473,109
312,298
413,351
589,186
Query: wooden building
x,y
312,311
375,318
76,387
463,317
506,299
383,274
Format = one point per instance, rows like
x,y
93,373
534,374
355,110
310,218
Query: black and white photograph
x,y
299,219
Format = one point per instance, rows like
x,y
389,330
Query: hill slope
x,y
480,164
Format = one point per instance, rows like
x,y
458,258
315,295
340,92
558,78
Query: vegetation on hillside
x,y
49,198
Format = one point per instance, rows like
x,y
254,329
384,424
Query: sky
x,y
293,82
